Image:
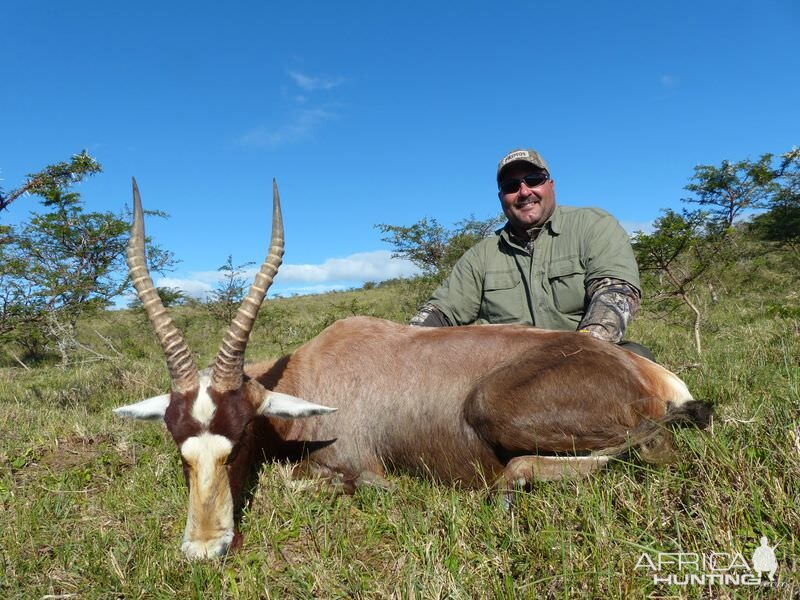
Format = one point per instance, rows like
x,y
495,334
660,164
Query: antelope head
x,y
210,414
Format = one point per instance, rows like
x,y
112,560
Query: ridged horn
x,y
228,368
182,370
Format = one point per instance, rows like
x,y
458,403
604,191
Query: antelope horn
x,y
228,368
182,370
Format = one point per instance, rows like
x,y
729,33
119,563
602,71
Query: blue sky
x,y
373,112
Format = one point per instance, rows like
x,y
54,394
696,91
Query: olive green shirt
x,y
499,281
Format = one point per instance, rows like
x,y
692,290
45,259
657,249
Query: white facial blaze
x,y
209,524
203,408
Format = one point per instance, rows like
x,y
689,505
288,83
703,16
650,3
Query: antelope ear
x,y
152,409
285,406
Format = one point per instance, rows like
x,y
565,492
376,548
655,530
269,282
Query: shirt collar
x,y
555,221
553,225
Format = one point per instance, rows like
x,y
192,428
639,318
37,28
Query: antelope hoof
x,y
213,548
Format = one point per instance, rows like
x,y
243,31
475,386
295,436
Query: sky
x,y
377,112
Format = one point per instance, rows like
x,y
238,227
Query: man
x,y
555,267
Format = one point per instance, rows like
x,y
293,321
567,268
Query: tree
x,y
691,249
432,247
228,294
64,262
728,190
423,243
679,251
781,223
54,179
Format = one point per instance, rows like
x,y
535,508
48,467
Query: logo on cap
x,y
519,154
529,156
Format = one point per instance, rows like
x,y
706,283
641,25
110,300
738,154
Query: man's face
x,y
527,207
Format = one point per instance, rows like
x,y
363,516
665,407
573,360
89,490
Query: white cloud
x,y
364,266
311,84
304,115
300,127
333,274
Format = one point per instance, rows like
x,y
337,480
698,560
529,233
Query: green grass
x,y
94,507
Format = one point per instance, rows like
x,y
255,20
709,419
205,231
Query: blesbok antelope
x,y
500,404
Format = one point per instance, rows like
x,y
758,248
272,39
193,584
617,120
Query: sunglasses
x,y
511,186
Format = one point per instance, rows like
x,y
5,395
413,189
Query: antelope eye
x,y
232,456
238,445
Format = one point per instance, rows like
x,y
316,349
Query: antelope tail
x,y
654,438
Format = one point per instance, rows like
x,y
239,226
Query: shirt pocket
x,y
566,278
501,297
